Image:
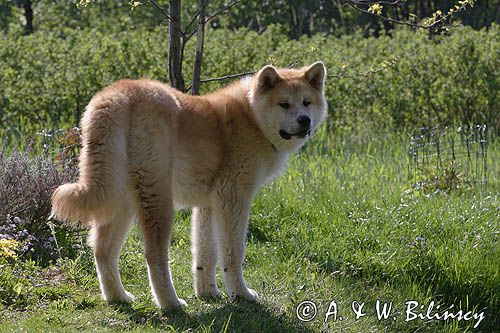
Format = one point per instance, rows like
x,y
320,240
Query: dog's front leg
x,y
204,252
231,212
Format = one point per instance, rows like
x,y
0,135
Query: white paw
x,y
129,298
178,304
207,293
248,294
124,297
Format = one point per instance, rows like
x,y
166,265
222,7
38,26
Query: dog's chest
x,y
195,176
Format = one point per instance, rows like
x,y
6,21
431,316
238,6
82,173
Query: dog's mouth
x,y
300,134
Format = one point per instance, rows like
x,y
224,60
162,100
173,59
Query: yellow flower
x,y
376,8
8,247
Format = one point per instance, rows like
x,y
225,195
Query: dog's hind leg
x,y
156,215
204,252
106,239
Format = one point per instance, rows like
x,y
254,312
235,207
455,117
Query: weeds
x,y
26,186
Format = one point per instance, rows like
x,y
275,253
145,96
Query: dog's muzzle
x,y
300,134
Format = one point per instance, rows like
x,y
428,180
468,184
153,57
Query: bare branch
x,y
191,34
167,17
222,78
193,19
227,77
210,17
222,10
302,57
385,65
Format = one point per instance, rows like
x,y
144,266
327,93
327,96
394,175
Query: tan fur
x,y
148,147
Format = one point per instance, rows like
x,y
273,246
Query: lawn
x,y
341,228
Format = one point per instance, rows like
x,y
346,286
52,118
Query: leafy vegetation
x,y
339,225
298,17
450,79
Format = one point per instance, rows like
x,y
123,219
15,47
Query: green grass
x,y
341,224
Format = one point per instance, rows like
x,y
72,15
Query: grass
x,y
341,224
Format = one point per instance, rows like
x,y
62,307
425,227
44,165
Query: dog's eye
x,y
306,103
285,105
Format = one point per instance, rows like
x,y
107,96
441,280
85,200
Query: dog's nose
x,y
304,121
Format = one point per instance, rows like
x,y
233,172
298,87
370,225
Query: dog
x,y
148,148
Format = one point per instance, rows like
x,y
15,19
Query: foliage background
x,y
48,78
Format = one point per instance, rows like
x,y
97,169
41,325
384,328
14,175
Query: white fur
x,y
147,146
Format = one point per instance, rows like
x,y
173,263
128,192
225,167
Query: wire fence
x,y
448,158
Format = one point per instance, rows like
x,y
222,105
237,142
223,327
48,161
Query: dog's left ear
x,y
316,74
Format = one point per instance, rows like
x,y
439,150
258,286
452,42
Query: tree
x,y
28,14
178,37
303,16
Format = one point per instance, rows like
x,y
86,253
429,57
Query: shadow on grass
x,y
238,316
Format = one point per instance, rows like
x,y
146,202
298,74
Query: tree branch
x,y
227,77
372,2
385,65
193,19
387,19
222,78
222,10
210,17
167,17
435,21
191,34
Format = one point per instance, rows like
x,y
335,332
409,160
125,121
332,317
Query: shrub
x,y
26,185
48,78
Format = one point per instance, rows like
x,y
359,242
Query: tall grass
x,y
342,223
350,208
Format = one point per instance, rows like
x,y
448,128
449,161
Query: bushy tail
x,y
100,191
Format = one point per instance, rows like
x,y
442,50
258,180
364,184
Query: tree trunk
x,y
175,48
200,39
28,14
294,22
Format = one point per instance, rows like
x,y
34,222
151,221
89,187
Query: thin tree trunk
x,y
174,54
28,14
341,15
200,39
295,23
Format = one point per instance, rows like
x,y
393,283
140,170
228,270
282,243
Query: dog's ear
x,y
267,78
316,74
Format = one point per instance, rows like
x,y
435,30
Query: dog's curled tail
x,y
100,191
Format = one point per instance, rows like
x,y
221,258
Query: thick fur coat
x,y
148,148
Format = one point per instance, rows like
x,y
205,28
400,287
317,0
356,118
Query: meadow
x,y
342,224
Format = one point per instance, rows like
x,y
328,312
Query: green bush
x,y
48,78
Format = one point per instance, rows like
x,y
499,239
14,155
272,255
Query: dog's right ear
x,y
267,78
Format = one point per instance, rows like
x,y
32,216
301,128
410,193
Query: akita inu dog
x,y
148,147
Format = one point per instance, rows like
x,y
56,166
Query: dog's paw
x,y
180,304
249,295
176,305
208,293
122,298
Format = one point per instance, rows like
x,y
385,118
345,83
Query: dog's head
x,y
289,104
